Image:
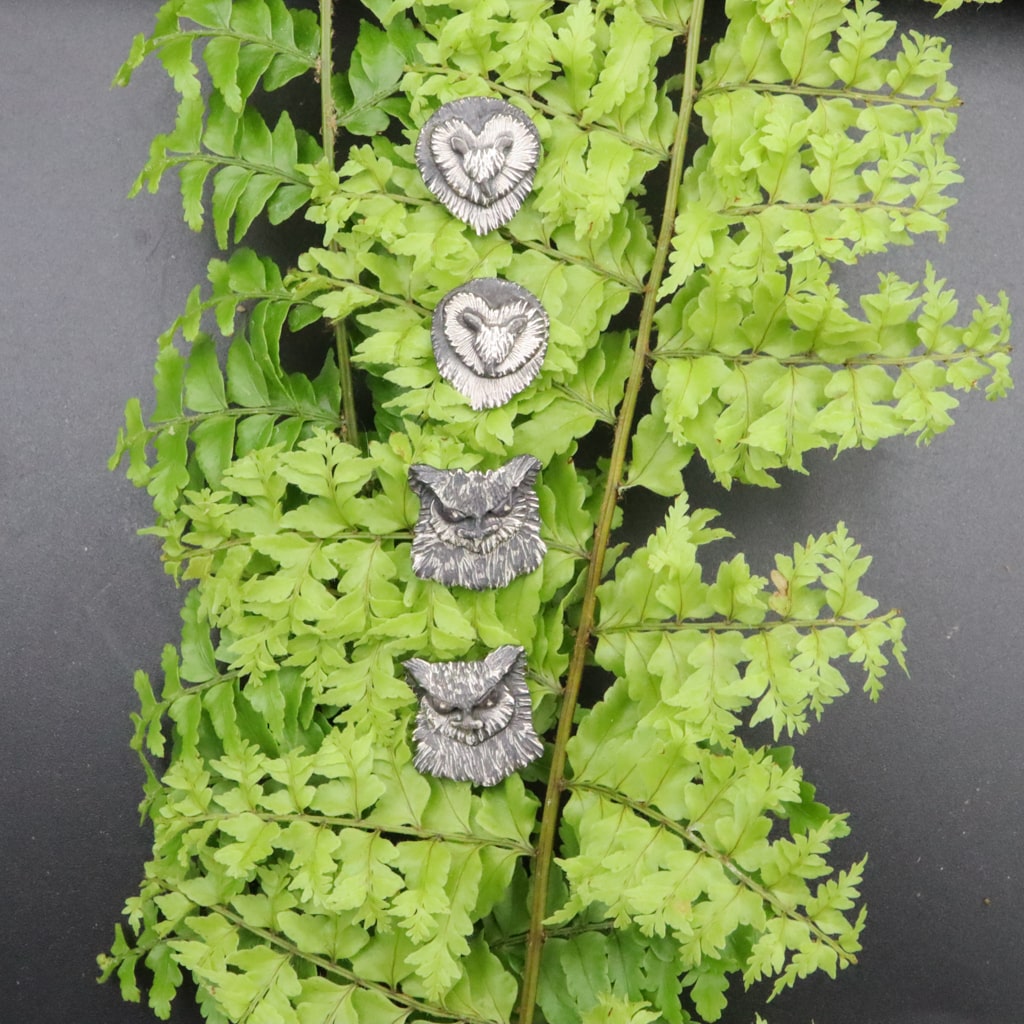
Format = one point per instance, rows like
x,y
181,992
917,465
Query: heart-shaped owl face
x,y
479,156
489,339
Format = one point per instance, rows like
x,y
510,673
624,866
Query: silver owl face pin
x,y
489,339
475,719
479,156
477,529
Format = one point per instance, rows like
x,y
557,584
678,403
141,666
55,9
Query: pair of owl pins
x,y
476,529
479,157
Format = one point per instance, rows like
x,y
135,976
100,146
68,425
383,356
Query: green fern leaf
x,y
303,870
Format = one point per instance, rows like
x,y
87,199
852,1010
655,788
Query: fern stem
x,y
348,394
819,204
729,626
241,411
602,532
634,284
322,282
854,95
544,108
266,42
330,967
465,838
216,160
694,840
328,114
329,133
809,359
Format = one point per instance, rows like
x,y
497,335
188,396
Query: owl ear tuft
x,y
418,671
424,479
523,469
504,660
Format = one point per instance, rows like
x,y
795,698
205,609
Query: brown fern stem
x,y
602,532
329,134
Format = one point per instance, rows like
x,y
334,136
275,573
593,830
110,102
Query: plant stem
x,y
809,358
602,532
544,108
279,942
466,838
329,132
328,115
854,95
350,421
731,626
780,906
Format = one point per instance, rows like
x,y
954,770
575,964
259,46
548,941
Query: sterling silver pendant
x,y
489,339
475,720
479,156
477,529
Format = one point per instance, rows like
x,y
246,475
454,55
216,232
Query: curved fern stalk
x,y
302,870
328,133
602,533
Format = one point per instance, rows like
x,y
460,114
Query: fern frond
x,y
759,358
204,415
245,43
303,870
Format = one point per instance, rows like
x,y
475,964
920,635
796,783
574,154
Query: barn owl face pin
x,y
475,720
477,529
489,340
479,156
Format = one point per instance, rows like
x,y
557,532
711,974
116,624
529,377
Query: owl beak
x,y
475,527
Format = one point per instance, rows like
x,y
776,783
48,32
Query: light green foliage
x,y
759,355
667,630
303,872
954,5
205,414
245,44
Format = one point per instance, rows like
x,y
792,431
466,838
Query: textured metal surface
x,y
477,529
489,339
475,719
479,156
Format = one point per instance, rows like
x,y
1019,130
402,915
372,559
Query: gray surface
x,y
933,776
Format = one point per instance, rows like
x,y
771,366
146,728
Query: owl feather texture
x,y
478,156
475,719
477,529
489,338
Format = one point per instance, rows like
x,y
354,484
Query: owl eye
x,y
440,706
504,508
472,321
491,700
517,325
452,515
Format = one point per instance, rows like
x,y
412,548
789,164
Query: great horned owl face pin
x,y
489,339
477,529
475,720
479,156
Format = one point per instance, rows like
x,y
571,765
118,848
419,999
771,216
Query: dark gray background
x,y
933,776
